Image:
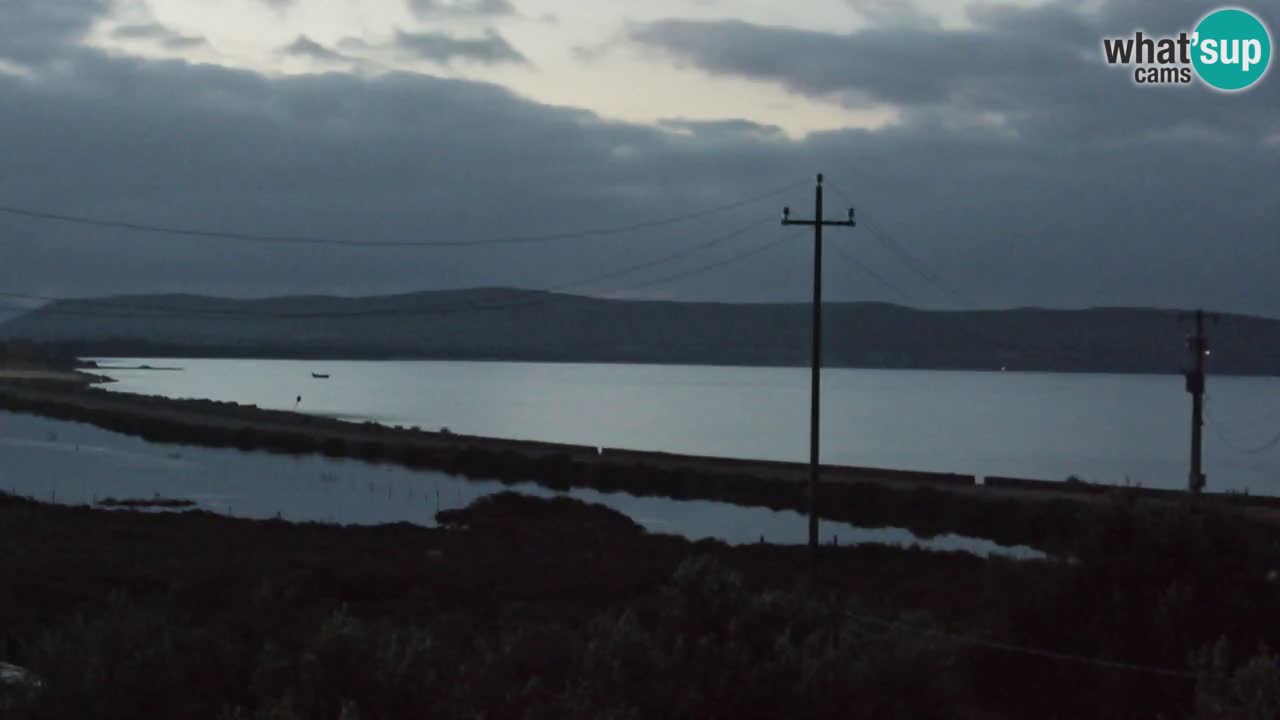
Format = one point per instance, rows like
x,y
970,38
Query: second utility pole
x,y
1198,344
815,392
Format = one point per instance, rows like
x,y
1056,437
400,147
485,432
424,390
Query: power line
x,y
710,266
1218,430
869,271
1258,450
910,260
1024,650
921,269
307,240
678,255
145,311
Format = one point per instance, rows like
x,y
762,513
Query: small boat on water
x,y
319,376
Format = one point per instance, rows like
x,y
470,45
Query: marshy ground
x,y
1009,511
533,608
1151,607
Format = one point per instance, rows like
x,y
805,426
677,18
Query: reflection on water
x,y
76,464
1102,428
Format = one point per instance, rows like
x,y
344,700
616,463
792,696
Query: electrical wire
x,y
305,240
906,257
711,266
145,311
1219,431
921,269
1030,651
868,270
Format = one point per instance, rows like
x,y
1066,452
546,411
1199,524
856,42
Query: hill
x,y
525,325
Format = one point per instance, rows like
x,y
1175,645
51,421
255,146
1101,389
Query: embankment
x,y
1008,511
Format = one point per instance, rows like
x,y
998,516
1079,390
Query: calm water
x,y
77,464
1103,428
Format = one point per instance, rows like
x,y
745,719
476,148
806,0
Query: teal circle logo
x,y
1231,49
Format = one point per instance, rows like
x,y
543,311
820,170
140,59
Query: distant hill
x,y
528,325
7,314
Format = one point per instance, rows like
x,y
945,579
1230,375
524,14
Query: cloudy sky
x,y
996,161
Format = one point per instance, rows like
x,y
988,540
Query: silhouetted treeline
x,y
28,354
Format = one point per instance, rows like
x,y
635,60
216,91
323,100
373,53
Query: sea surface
x,y
78,464
1101,428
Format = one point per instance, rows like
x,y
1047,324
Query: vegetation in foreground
x,y
532,608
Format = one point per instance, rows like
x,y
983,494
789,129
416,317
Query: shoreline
x,y
1009,511
77,376
202,615
201,354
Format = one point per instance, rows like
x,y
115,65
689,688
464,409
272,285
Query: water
x,y
76,464
1102,428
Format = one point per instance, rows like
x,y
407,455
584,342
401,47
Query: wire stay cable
x,y
307,240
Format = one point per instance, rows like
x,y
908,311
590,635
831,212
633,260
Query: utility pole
x,y
1198,344
815,390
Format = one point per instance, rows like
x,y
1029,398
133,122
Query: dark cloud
x,y
392,158
893,13
444,48
305,47
1060,198
1038,69
165,37
590,53
33,30
711,129
461,8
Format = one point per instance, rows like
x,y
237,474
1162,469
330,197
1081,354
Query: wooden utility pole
x,y
1198,344
815,390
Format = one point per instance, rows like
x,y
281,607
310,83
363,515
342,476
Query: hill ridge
x,y
499,323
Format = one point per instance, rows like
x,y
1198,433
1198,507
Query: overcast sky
x,y
987,138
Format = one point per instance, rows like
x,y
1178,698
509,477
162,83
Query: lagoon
x,y
1101,428
77,464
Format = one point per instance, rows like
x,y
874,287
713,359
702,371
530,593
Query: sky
x,y
994,160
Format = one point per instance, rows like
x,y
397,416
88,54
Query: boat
x,y
319,376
